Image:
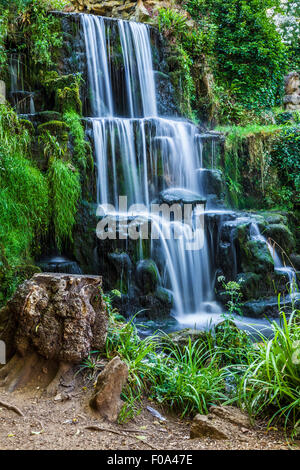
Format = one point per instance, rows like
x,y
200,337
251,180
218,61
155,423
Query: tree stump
x,y
54,321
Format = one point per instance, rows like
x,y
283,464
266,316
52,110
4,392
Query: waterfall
x,y
278,264
141,155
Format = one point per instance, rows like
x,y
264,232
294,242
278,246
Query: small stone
x,y
202,426
232,415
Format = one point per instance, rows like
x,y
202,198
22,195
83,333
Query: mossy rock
x,y
52,81
68,99
282,235
255,257
165,296
249,283
182,338
57,128
26,124
147,276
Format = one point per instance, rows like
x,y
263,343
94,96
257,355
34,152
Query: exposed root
x,y
54,384
97,428
12,408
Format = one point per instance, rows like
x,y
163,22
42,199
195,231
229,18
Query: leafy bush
x,y
248,51
32,28
271,382
23,201
285,157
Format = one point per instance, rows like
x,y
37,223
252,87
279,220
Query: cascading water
x,y
142,154
278,264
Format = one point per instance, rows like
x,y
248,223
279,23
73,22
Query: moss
x,y
255,257
282,235
57,128
64,183
68,99
82,152
53,81
26,124
250,177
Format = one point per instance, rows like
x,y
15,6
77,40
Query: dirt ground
x,y
51,424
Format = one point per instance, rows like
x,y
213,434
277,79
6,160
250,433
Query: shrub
x,y
271,382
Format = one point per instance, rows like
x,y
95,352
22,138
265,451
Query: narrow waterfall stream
x,y
131,150
278,264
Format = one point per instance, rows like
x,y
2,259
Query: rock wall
x,y
127,10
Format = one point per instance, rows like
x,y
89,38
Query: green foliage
x,y
248,51
190,45
82,153
23,202
226,367
187,379
3,35
32,28
64,184
285,157
271,382
233,290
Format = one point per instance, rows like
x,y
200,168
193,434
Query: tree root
x,y
32,370
12,408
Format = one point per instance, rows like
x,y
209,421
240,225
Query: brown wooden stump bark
x,y
55,320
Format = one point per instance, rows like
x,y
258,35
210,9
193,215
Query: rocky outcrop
x,y
291,99
127,10
55,319
220,424
110,382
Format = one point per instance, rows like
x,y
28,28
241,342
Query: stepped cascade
x,y
155,154
145,150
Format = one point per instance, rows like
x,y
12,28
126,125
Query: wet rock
x,y
295,259
250,284
85,239
59,264
181,338
269,307
147,276
165,296
211,182
256,257
180,196
165,95
121,261
282,235
111,380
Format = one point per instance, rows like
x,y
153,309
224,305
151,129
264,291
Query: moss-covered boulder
x,y
147,276
256,257
57,128
182,338
282,235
